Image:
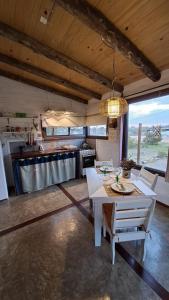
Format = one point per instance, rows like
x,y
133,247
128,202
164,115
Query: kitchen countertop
x,y
40,153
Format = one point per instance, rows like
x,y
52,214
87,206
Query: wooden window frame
x,y
84,131
63,137
149,96
98,137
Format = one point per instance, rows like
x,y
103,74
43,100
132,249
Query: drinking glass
x,y
116,172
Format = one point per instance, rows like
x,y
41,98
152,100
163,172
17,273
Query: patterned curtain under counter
x,y
34,174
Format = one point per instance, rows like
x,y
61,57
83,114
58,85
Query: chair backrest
x,y
99,163
132,213
149,178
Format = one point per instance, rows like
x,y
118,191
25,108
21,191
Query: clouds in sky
x,y
145,109
150,112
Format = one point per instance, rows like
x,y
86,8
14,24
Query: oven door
x,y
88,161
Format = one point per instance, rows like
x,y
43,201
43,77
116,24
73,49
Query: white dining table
x,y
98,195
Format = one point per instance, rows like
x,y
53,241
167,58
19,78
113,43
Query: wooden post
x,y
125,136
139,143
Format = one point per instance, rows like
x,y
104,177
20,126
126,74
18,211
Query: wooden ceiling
x,y
145,23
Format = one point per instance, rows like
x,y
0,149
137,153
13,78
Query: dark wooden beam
x,y
41,86
39,48
46,75
94,19
148,96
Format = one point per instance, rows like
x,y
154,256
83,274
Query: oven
x,y
88,161
87,158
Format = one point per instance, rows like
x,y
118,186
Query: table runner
x,y
112,193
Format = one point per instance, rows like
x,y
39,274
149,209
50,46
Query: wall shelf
x,y
21,118
15,132
15,123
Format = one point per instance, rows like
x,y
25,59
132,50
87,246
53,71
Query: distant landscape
x,y
154,117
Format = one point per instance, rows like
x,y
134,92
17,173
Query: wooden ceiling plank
x,y
46,75
40,86
33,44
11,48
94,19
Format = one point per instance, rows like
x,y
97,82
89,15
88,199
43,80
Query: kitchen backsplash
x,y
57,144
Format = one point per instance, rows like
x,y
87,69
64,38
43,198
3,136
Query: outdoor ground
x,y
154,156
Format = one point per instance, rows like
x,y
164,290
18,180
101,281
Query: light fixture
x,y
51,112
62,113
114,106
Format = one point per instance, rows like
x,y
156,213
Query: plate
x,y
123,188
106,169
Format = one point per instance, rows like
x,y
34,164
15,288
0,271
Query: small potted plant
x,y
127,165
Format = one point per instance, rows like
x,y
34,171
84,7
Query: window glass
x,y
148,138
98,130
61,131
76,130
49,131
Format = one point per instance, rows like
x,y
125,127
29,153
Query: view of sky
x,y
150,112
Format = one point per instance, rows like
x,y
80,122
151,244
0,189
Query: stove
x,y
87,158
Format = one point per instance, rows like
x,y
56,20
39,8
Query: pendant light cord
x,y
113,72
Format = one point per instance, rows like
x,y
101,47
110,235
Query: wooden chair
x,y
99,163
148,178
128,214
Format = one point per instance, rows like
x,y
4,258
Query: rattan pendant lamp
x,y
114,106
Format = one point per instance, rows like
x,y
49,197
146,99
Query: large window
x,y
76,131
49,131
98,130
61,131
148,138
64,131
56,131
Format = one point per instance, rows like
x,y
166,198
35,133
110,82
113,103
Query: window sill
x,y
63,137
97,137
154,171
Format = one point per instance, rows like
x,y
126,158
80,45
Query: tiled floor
x,y
25,207
77,188
157,257
55,258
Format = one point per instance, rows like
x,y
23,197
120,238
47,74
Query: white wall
x,y
162,190
19,97
106,149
